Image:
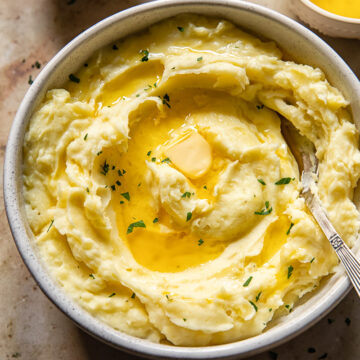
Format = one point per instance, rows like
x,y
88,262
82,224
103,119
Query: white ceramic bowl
x,y
325,21
300,43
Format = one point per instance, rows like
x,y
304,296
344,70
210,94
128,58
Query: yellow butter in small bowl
x,y
347,8
337,18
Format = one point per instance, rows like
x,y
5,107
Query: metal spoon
x,y
304,153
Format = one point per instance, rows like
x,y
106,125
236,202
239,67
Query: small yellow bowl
x,y
325,21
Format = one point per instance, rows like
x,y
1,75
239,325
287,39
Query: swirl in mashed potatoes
x,y
162,194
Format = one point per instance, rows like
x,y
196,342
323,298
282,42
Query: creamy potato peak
x,y
162,194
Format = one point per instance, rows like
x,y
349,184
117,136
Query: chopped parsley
x,y
155,220
113,167
87,189
247,282
283,181
118,183
139,224
188,216
148,153
126,195
199,58
124,172
112,187
133,295
99,153
119,173
92,276
51,224
265,211
85,137
287,306
259,107
30,81
311,261
137,95
186,194
115,47
290,271
200,242
253,305
184,319
167,160
289,229
121,202
145,54
180,28
153,159
165,100
205,187
270,310
74,78
113,294
104,168
258,296
261,181
37,65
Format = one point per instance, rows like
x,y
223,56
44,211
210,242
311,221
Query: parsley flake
x,y
153,159
122,202
312,260
247,282
51,224
139,224
165,100
145,54
167,160
87,190
205,187
184,319
99,153
283,181
92,276
104,168
113,294
188,216
261,181
118,183
119,173
180,28
74,79
199,58
265,211
186,194
148,153
85,137
30,81
253,305
126,195
155,220
290,271
290,227
259,107
258,296
133,295
115,47
112,187
200,242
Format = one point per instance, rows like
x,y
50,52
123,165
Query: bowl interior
x,y
299,43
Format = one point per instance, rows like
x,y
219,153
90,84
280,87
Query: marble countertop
x,y
31,327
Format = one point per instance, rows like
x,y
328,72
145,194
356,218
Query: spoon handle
x,y
348,259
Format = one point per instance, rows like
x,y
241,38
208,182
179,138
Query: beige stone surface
x,y
31,327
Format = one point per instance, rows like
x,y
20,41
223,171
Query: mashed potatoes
x,y
162,194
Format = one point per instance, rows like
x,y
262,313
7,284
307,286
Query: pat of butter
x,y
191,154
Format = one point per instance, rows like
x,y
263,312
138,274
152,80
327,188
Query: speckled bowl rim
x,y
329,14
23,237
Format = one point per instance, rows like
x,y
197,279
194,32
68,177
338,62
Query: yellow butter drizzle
x,y
347,8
